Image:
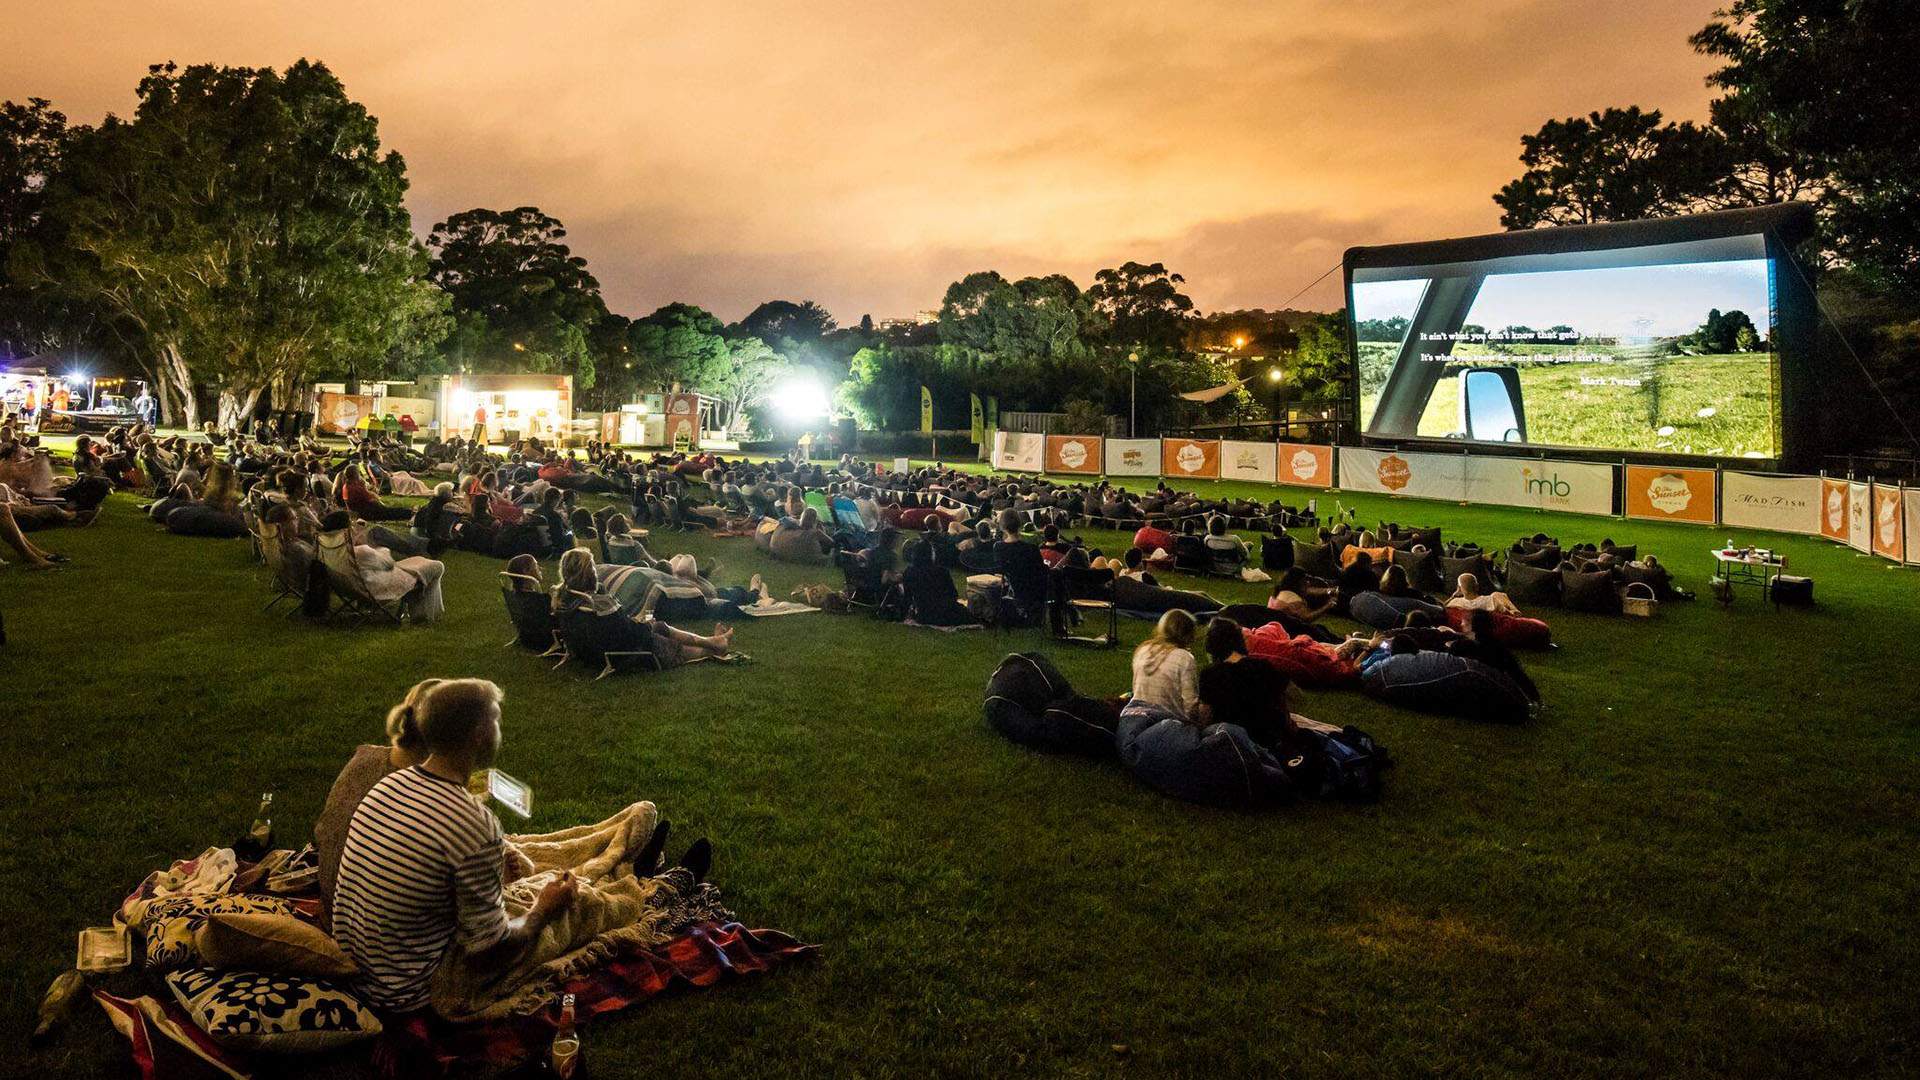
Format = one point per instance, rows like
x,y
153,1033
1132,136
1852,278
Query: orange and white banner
x,y
1833,509
1767,501
1133,457
1252,461
1190,459
337,414
1889,525
1073,454
1019,451
1578,487
1306,465
1860,517
1661,494
1911,518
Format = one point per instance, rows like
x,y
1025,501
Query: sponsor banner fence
x,y
1889,526
1247,461
1133,457
1833,509
1190,459
1575,486
1911,523
1860,517
1769,501
1073,454
337,414
1018,451
1658,494
1306,465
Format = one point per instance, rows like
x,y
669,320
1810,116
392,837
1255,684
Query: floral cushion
x,y
169,925
281,1014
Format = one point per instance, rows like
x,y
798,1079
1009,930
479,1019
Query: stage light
x,y
799,398
77,377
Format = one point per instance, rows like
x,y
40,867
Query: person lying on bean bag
x,y
1150,539
1515,631
1428,680
1478,639
1140,598
1311,663
1383,612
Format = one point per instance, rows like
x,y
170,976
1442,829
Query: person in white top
x,y
1164,672
1469,596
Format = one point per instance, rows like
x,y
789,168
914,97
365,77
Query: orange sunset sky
x,y
866,154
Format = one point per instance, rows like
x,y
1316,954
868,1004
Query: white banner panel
x,y
1911,497
1577,487
1860,517
1247,461
1767,501
1133,457
1019,451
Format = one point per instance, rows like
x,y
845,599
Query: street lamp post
x,y
1133,386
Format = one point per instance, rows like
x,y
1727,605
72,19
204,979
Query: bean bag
x,y
1428,538
1451,567
1300,658
1625,554
1543,557
1190,553
196,519
763,534
1032,704
1589,592
1530,586
1276,553
1513,631
1315,559
1137,596
1218,765
798,546
1654,577
1384,612
1422,567
1149,539
1379,555
1439,682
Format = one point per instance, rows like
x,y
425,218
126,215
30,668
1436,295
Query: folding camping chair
x,y
287,581
531,614
350,584
580,631
1077,589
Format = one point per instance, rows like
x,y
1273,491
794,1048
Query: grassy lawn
x,y
1699,862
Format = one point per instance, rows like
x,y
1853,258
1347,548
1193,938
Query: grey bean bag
x,y
1218,765
197,519
1384,612
1530,586
1422,567
1032,704
1440,682
1315,559
1137,596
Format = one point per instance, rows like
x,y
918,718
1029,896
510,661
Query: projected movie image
x,y
1671,358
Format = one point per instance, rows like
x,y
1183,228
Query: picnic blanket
x,y
767,609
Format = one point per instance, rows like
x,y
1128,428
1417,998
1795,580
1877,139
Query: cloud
x,y
865,155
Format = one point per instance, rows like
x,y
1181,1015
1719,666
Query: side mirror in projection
x,y
1491,409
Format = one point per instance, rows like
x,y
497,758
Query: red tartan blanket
x,y
424,1045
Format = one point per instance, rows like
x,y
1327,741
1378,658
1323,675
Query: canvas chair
x,y
1079,589
286,581
580,630
350,583
531,613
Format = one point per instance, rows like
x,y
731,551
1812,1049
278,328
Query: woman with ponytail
x,y
368,766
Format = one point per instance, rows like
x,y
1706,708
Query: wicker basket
x,y
1638,600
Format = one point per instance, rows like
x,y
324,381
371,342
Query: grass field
x,y
1661,412
1700,862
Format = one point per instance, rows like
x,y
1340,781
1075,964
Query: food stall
x,y
509,407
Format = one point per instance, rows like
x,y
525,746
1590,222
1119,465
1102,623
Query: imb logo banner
x,y
1018,451
1133,457
1190,459
1859,517
1575,486
1073,454
1247,461
1307,466
1889,533
1781,503
1670,494
1834,518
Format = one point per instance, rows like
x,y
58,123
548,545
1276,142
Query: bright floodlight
x,y
800,398
77,377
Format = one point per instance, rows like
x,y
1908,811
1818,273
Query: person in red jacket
x,y
361,499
